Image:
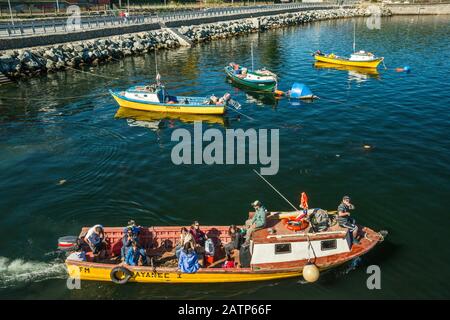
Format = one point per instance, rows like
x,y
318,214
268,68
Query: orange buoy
x,y
295,225
278,93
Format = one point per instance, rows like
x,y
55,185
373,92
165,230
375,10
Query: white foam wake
x,y
18,271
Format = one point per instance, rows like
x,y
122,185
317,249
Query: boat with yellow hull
x,y
100,272
277,251
334,59
155,98
194,106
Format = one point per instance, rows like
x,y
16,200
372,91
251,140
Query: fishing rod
x,y
295,208
329,212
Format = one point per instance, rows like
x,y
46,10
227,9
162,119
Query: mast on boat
x,y
354,36
158,76
252,54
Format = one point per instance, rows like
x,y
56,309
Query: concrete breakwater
x,y
31,61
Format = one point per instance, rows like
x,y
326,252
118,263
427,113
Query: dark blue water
x,y
66,161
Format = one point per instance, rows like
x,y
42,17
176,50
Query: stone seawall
x,y
28,62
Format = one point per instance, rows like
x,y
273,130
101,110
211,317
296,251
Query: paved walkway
x,y
46,27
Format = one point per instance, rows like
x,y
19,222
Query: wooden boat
x,y
157,117
276,251
260,80
359,59
155,98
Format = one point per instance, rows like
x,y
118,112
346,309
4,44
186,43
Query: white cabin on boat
x,y
362,56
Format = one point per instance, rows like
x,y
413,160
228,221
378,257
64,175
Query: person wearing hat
x,y
257,222
345,220
130,234
132,225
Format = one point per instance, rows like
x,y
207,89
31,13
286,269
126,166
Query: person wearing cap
x,y
130,233
132,225
258,221
345,220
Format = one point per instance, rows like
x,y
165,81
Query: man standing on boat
x,y
257,222
345,220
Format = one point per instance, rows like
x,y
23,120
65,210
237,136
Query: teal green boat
x,y
260,80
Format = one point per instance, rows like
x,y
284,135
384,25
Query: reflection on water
x,y
356,74
159,120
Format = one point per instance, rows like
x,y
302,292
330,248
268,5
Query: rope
x,y
56,98
312,248
232,108
91,73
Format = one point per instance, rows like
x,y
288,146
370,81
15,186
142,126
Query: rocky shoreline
x,y
33,61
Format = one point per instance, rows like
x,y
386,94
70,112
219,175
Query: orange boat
x,y
274,252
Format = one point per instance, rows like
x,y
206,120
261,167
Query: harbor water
x,y
68,160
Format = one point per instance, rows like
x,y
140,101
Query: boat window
x,y
328,245
283,248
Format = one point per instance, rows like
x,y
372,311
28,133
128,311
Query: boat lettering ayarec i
x,y
279,250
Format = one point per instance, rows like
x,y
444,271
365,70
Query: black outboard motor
x,y
68,243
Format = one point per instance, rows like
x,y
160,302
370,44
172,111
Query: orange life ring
x,y
295,225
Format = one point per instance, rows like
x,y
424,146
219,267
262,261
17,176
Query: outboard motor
x,y
68,243
226,97
233,103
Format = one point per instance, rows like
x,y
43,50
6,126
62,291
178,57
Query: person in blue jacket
x,y
130,233
188,261
135,254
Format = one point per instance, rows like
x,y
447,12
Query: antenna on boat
x,y
354,36
252,54
296,209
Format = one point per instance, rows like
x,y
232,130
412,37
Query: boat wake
x,y
20,272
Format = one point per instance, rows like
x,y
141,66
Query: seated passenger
x,y
78,254
229,263
188,260
95,238
127,240
132,224
345,220
213,99
257,222
185,237
236,240
136,256
199,236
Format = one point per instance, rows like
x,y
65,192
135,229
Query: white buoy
x,y
311,272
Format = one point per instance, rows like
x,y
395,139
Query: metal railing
x,y
39,27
